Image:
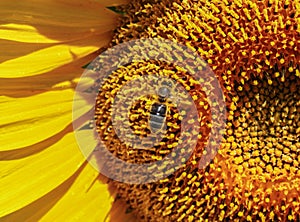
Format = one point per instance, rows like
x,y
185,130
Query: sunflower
x,y
252,46
44,46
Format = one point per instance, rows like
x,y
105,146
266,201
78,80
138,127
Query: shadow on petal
x,y
37,209
36,148
119,210
32,85
60,20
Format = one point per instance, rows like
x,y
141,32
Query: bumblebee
x,y
158,110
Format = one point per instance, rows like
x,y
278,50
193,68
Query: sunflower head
x,y
252,47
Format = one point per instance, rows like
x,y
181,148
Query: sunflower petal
x,y
90,198
24,181
49,58
53,80
58,20
119,212
113,2
23,33
35,210
27,121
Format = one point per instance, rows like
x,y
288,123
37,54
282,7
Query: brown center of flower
x,y
252,46
264,128
137,113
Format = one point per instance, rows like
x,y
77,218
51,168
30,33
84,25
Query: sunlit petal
x,y
87,189
53,80
49,58
24,181
82,187
23,33
27,121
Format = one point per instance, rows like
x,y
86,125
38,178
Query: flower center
x,y
144,145
264,128
255,176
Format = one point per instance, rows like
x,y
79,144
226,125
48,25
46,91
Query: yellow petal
x,y
89,197
64,77
61,20
83,197
25,180
26,121
23,33
35,210
11,50
49,58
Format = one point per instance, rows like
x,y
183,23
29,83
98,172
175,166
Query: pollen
x,y
253,48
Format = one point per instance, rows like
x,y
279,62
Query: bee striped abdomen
x,y
157,117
